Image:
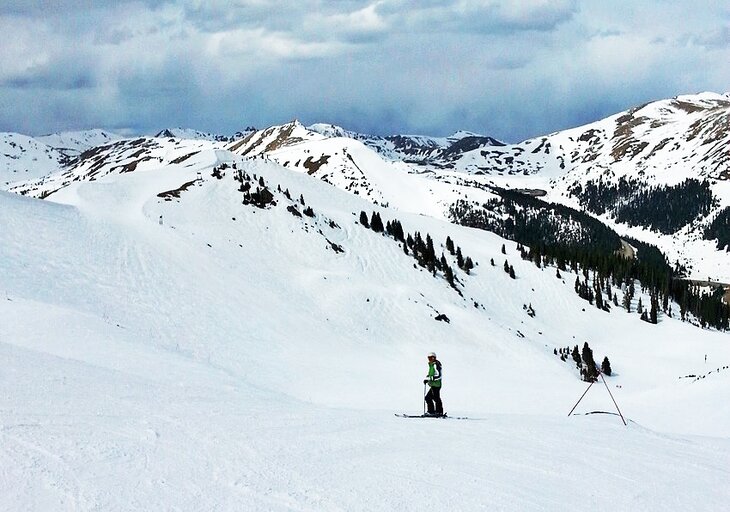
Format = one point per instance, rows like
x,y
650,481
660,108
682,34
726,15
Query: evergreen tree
x,y
587,356
606,366
512,272
653,313
459,258
364,219
450,245
376,223
575,354
504,249
468,265
398,233
430,251
449,275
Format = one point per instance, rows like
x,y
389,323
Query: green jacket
x,y
434,374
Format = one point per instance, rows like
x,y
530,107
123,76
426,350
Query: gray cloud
x,y
508,69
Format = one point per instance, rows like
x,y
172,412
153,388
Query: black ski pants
x,y
433,401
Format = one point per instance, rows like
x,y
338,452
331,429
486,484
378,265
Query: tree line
x,y
666,209
567,238
421,249
719,229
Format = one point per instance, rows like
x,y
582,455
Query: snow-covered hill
x,y
191,134
659,145
73,144
644,154
175,337
119,157
25,158
666,140
417,150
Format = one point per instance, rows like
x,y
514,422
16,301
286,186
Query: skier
x,y
433,397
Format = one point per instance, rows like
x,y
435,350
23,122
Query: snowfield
x,y
202,354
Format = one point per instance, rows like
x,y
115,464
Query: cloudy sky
x,y
510,69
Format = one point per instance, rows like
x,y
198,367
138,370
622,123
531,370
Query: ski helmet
x,y
432,354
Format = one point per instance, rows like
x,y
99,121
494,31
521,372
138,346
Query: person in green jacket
x,y
433,379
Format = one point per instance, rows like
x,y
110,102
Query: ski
x,y
445,416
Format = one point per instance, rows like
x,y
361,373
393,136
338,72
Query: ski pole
x,y
424,398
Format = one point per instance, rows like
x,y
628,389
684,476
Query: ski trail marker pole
x,y
581,398
614,400
600,374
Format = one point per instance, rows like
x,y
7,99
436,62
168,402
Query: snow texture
x,y
198,353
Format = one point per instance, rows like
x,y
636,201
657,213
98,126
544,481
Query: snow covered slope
x,y
25,158
417,150
644,150
655,147
191,134
167,343
666,140
73,144
119,157
356,164
658,145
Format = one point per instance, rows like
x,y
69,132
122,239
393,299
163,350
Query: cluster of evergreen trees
x,y
422,250
719,229
564,237
584,361
260,196
661,208
534,223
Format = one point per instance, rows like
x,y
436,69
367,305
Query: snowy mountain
x,y
418,150
633,171
72,144
227,333
119,157
649,159
190,134
666,140
24,158
659,173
